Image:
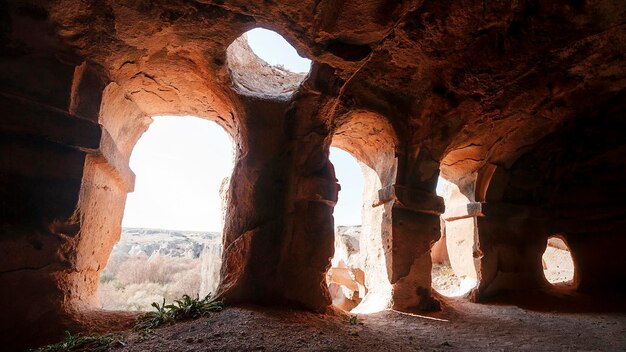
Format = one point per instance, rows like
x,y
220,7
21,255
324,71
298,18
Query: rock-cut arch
x,y
371,139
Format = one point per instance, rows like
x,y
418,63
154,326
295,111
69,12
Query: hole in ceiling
x,y
263,64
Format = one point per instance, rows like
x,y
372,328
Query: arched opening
x,y
454,271
171,237
263,64
346,278
371,141
558,265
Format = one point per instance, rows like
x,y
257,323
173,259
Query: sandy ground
x,y
565,322
444,280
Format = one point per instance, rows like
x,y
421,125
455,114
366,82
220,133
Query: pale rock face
x,y
212,252
558,265
345,278
347,248
253,76
149,242
211,265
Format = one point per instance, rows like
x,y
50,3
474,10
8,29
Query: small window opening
x,y
263,64
558,265
346,278
272,48
171,237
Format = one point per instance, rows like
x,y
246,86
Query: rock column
x,y
52,153
415,228
279,232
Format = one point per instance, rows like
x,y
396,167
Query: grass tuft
x,y
79,343
182,309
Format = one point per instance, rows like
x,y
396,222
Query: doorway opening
x,y
558,265
345,278
453,268
171,238
371,140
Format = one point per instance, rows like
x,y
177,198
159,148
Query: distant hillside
x,y
175,243
172,243
148,265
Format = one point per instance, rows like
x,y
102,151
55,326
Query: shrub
x,y
106,276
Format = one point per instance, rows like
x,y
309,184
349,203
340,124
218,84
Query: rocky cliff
x,y
173,243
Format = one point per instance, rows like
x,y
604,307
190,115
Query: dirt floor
x,y
563,322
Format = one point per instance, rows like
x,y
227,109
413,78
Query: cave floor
x,y
554,324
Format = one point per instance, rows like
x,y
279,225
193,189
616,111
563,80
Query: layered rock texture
x,y
520,105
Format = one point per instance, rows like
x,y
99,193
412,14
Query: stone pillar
x,y
415,228
278,237
309,229
461,229
375,241
255,210
49,137
510,245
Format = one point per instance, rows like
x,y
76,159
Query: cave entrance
x,y
453,265
558,264
346,278
171,238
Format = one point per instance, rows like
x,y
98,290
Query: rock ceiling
x,y
470,81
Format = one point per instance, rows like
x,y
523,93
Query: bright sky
x,y
350,177
440,183
275,50
180,163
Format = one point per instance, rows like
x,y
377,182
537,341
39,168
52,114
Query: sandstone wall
x,y
519,104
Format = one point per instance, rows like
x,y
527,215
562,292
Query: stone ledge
x,y
23,116
465,211
26,117
488,209
411,199
318,189
111,156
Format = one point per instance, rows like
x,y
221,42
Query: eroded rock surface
x,y
519,104
253,76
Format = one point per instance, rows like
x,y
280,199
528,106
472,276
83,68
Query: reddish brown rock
x,y
518,104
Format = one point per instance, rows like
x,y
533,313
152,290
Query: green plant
x,y
182,309
353,320
151,320
191,308
78,342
